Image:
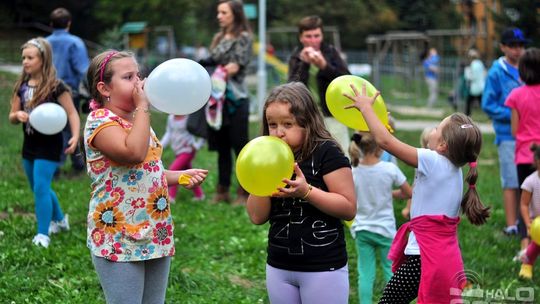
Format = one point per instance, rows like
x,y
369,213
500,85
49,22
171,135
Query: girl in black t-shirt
x,y
307,258
41,153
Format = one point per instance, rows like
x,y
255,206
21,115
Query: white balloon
x,y
48,118
178,86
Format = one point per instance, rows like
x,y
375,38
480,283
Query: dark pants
x,y
233,135
404,284
523,170
471,100
77,160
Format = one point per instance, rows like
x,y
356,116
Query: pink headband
x,y
104,64
472,164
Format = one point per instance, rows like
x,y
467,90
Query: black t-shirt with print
x,y
37,145
301,237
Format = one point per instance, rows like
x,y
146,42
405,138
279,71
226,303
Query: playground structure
x,y
399,54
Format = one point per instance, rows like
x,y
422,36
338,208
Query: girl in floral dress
x,y
130,228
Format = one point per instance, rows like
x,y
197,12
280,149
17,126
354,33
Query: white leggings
x,y
133,282
291,287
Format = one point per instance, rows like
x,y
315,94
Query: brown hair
x,y
363,144
424,137
535,148
306,113
94,72
309,23
240,23
48,82
464,141
529,66
60,18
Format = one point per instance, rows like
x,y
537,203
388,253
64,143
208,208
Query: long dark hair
x,y
240,23
306,113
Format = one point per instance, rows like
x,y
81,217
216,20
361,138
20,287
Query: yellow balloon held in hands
x,y
263,163
535,230
352,118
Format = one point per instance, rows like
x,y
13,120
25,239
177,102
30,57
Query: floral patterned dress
x,y
129,216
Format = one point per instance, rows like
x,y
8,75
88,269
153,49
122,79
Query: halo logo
x,y
474,293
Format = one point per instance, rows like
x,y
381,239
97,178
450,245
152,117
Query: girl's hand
x,y
22,116
139,96
197,176
360,101
297,187
72,145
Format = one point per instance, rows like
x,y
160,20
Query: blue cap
x,y
513,36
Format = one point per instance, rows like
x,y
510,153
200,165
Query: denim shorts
x,y
507,168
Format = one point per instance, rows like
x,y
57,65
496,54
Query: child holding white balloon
x,y
530,209
185,146
436,203
38,85
374,226
130,228
307,258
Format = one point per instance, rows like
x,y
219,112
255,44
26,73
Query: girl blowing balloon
x,y
436,202
41,153
130,229
307,258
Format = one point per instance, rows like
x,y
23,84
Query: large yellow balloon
x,y
263,163
535,230
352,118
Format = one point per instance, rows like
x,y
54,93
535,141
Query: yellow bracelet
x,y
184,179
308,192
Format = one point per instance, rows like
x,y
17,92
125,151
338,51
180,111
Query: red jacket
x,y
442,277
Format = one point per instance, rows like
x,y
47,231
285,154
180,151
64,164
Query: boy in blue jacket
x,y
503,77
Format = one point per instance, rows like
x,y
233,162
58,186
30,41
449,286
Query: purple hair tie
x,y
104,64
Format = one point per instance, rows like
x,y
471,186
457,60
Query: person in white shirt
x,y
374,225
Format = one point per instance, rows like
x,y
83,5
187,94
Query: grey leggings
x,y
142,282
296,287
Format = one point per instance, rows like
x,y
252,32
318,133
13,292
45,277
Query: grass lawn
x,y
220,255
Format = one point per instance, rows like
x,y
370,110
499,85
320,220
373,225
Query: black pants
x,y
523,170
77,159
471,100
404,284
233,135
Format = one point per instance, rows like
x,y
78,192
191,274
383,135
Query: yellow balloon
x,y
263,163
535,230
352,118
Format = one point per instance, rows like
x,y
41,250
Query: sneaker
x,y
199,198
511,230
56,227
519,256
41,240
526,272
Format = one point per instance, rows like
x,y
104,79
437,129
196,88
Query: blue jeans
x,y
508,171
40,174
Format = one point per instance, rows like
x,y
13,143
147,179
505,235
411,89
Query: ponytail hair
x,y
471,205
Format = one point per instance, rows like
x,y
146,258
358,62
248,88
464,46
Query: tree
x,y
522,14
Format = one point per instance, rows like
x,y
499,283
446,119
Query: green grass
x,y
220,255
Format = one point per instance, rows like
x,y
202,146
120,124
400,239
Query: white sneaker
x,y
520,256
41,240
56,227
